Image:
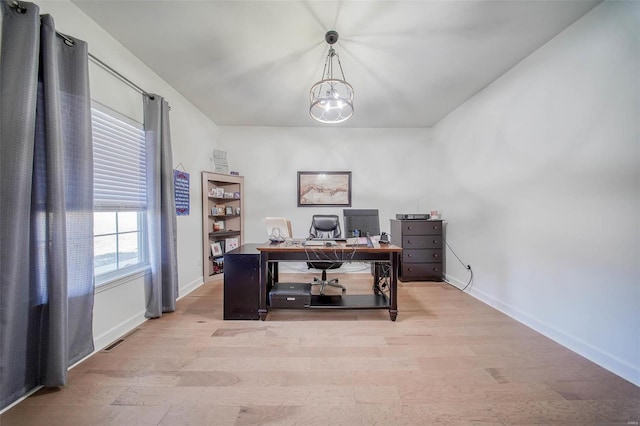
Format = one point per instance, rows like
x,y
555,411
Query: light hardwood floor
x,y
448,360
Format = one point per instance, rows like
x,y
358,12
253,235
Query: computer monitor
x,y
361,222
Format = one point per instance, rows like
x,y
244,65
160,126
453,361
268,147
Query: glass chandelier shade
x,y
331,98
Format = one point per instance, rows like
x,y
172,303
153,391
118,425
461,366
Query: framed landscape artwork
x,y
324,189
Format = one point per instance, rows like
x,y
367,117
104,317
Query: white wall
x,y
121,307
542,188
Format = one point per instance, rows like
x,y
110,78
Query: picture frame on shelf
x,y
218,192
228,210
231,243
324,189
216,249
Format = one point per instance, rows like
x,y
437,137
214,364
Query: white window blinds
x,y
120,180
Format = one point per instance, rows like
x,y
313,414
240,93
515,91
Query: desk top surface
x,y
342,247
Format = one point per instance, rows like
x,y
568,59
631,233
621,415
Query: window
x,y
120,194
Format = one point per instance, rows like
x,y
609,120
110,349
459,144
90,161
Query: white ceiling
x,y
252,63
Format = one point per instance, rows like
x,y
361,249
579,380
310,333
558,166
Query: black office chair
x,y
324,226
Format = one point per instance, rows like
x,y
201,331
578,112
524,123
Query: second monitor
x,y
361,222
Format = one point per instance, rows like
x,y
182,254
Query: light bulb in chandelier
x,y
333,105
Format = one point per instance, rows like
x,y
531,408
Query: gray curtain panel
x,y
46,193
162,290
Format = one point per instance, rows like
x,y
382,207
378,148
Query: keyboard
x,y
298,241
318,243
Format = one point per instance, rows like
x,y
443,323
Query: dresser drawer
x,y
421,271
422,255
422,241
421,227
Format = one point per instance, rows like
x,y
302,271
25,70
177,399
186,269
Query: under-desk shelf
x,y
345,301
349,301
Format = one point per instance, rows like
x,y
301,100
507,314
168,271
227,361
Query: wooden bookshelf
x,y
222,219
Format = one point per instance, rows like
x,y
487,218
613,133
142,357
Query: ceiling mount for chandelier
x,y
332,97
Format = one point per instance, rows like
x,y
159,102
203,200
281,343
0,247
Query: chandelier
x,y
331,98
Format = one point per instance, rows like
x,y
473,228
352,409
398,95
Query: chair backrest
x,y
325,226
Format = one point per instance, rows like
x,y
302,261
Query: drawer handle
x,y
410,269
435,241
435,255
408,227
408,242
409,255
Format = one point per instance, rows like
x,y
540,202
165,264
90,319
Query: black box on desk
x,y
290,295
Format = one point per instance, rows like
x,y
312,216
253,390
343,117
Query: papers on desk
x,y
357,241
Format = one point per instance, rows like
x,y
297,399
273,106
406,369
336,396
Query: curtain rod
x,y
68,40
117,74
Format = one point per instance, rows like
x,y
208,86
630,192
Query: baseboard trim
x,y
593,354
113,334
105,339
190,287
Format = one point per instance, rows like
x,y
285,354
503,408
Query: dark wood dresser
x,y
422,249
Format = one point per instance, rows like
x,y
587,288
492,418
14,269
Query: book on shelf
x,y
218,266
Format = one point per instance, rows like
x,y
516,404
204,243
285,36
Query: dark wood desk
x,y
271,254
